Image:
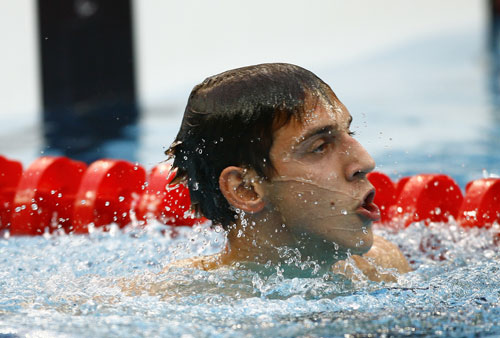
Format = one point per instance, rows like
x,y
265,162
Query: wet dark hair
x,y
230,119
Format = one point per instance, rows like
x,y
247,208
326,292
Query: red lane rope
x,y
436,197
56,193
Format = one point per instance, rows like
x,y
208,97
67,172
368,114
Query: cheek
x,y
303,202
326,214
324,173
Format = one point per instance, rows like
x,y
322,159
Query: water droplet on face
x,y
365,231
343,212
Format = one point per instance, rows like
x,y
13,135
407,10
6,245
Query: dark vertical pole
x,y
493,141
494,45
87,66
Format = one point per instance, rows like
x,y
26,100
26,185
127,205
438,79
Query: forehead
x,y
319,111
320,107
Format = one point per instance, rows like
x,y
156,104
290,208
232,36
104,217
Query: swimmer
x,y
268,154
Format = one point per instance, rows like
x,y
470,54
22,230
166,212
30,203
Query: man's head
x,y
275,138
230,119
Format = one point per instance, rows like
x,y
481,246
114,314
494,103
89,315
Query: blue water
x,y
425,106
106,285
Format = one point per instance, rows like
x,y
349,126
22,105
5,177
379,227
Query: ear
x,y
242,189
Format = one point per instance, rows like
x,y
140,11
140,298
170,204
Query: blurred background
x,y
92,79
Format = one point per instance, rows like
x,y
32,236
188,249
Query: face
x,y
320,189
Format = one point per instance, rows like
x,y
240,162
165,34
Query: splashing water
x,y
108,284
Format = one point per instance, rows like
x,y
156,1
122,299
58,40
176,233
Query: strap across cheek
x,y
304,199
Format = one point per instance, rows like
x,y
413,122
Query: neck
x,y
265,238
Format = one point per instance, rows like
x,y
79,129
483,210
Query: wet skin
x,y
318,202
320,181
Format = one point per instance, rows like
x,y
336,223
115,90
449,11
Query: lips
x,y
367,208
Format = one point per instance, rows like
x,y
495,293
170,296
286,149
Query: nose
x,y
359,162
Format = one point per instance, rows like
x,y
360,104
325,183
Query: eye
x,y
351,133
320,147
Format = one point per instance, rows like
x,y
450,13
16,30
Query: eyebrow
x,y
328,129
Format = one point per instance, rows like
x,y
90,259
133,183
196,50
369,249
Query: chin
x,y
361,250
359,243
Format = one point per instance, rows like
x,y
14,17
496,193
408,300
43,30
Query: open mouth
x,y
369,209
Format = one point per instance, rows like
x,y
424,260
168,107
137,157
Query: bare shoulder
x,y
387,255
206,263
382,263
150,284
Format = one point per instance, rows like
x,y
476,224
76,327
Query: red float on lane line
x,y
107,194
10,174
481,206
386,193
168,203
428,197
45,194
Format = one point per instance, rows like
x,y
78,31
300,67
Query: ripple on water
x,y
106,284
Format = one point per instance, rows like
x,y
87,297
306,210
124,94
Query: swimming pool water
x,y
106,285
424,107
